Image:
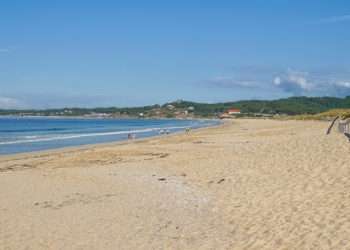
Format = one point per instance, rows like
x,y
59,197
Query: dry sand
x,y
249,184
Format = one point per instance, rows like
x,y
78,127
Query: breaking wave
x,y
34,139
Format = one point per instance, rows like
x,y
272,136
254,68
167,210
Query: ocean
x,y
22,134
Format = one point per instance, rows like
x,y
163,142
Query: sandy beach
x,y
248,184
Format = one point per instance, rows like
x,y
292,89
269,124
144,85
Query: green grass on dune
x,y
326,116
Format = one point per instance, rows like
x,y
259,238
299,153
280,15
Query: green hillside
x,y
287,106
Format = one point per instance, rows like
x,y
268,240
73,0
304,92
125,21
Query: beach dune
x,y
247,184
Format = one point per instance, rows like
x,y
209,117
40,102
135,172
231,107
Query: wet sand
x,y
248,184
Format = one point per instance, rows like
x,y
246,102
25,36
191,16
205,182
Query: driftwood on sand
x,y
332,124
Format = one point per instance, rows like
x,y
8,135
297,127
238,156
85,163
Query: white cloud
x,y
342,84
277,81
295,82
231,82
9,103
335,19
314,83
318,82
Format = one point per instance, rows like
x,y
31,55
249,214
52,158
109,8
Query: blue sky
x,y
115,53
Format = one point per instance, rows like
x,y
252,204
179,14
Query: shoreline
x,y
105,118
78,148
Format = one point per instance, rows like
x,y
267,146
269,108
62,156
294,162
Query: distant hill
x,y
289,106
183,109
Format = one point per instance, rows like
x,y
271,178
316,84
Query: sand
x,y
249,184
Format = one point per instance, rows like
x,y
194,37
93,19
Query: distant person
x,y
131,136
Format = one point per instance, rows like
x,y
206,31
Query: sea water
x,y
22,134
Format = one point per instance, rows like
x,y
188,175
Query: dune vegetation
x,y
326,116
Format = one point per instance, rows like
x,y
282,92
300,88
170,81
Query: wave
x,y
32,130
76,136
43,129
31,136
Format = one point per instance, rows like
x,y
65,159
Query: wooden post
x,y
331,126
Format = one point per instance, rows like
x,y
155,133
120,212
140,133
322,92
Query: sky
x,y
132,53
